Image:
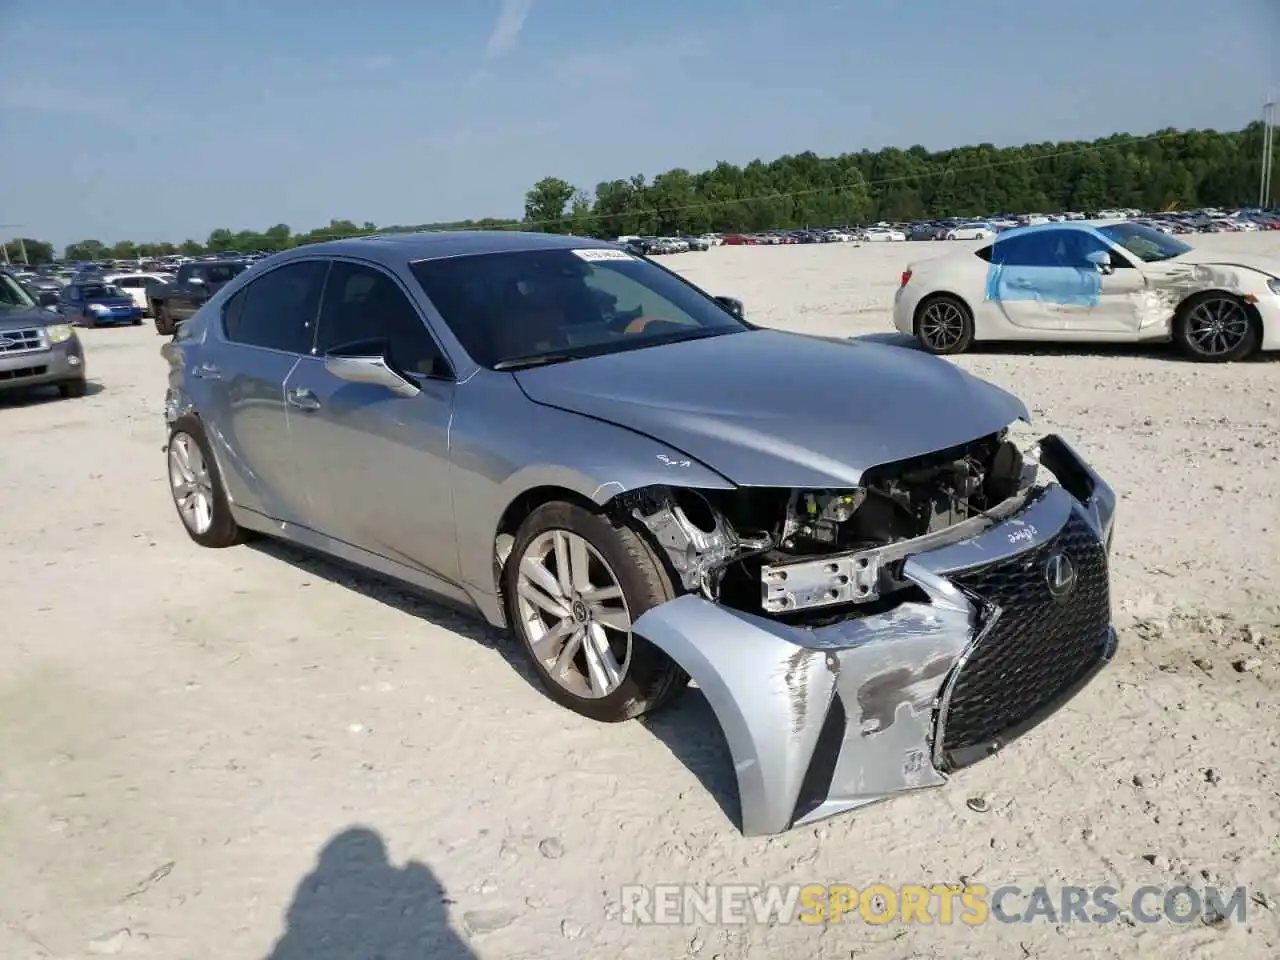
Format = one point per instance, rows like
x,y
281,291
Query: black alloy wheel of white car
x,y
944,325
1215,327
573,586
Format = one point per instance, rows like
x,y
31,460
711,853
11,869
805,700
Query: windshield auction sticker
x,y
605,254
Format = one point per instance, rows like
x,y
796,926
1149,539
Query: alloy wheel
x,y
191,484
942,325
574,614
1216,327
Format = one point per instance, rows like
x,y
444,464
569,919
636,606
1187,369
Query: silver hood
x,y
774,409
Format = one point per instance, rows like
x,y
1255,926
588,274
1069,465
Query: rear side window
x,y
277,311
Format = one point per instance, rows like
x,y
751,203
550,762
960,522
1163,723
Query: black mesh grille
x,y
1037,651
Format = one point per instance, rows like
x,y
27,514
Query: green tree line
x,y
1170,169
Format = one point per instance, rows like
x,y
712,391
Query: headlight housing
x,y
1274,285
59,332
98,308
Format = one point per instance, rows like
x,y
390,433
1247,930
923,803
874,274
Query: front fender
x,y
504,445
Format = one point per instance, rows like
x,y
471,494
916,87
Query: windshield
x,y
1144,242
102,291
13,296
515,309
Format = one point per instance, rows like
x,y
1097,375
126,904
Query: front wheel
x,y
1215,327
944,325
573,586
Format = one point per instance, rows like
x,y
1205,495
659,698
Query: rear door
x,y
377,464
264,331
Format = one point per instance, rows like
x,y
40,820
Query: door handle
x,y
206,371
302,398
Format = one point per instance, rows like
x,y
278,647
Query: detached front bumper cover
x,y
1013,622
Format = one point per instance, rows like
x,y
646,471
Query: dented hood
x,y
767,408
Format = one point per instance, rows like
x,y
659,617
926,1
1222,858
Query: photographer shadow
x,y
355,903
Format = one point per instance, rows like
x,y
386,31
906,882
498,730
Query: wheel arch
x,y
1251,308
933,295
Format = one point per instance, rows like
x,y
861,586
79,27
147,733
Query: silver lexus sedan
x,y
870,572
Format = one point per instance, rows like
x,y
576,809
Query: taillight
x,y
906,276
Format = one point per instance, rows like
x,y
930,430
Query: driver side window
x,y
363,303
1090,244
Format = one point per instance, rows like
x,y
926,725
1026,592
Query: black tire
x,y
72,388
136,321
652,678
164,323
955,310
1238,318
88,322
223,530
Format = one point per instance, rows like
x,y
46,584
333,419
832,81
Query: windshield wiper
x,y
541,359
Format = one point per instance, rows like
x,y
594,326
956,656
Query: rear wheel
x,y
944,325
164,322
574,585
197,488
1215,327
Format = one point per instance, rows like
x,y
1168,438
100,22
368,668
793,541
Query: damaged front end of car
x,y
855,644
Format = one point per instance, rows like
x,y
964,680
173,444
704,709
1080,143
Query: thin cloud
x,y
622,63
38,96
506,32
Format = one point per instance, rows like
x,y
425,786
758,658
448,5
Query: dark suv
x,y
37,347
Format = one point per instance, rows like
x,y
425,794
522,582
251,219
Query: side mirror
x,y
47,298
733,305
366,362
1100,259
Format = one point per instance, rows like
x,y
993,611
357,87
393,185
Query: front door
x,y
266,329
377,464
1122,295
1038,284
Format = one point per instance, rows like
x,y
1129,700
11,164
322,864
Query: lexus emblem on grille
x,y
1060,575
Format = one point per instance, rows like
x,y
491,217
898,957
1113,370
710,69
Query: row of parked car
x,y
1198,221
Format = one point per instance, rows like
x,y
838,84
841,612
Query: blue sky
x,y
164,119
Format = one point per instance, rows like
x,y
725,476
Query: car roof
x,y
1088,226
393,248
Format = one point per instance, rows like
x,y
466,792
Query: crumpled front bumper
x,y
827,719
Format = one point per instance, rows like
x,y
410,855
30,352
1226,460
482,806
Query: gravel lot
x,y
204,752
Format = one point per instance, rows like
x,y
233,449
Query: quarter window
x,y
362,303
278,310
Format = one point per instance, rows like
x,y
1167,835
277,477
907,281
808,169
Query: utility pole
x,y
1268,144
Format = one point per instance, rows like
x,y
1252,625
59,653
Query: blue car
x,y
93,303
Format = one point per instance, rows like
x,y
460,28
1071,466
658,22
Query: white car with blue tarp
x,y
1116,281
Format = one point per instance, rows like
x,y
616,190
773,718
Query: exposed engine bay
x,y
782,552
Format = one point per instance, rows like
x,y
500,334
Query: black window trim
x,y
243,289
450,377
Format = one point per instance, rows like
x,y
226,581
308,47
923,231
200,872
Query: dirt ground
x,y
255,753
